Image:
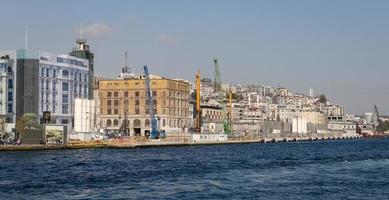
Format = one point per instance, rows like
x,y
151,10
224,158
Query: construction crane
x,y
125,129
198,103
217,77
228,123
154,133
378,125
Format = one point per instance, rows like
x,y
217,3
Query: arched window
x,y
124,122
115,122
109,123
136,123
147,123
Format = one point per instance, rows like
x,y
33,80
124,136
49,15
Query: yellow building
x,y
171,103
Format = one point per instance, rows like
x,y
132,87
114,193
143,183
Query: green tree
x,y
29,121
323,99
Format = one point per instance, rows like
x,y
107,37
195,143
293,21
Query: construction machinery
x,y
228,123
378,124
217,77
198,103
124,128
154,133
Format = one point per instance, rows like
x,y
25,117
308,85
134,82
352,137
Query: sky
x,y
339,48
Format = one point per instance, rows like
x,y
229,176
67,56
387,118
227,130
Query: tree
x,y
384,126
323,99
29,121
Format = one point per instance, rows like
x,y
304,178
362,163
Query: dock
x,y
162,143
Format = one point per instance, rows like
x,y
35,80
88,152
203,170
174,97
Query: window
x,y
137,94
109,123
154,93
136,122
116,94
47,84
42,71
115,111
137,112
65,109
10,84
126,94
109,102
65,73
109,94
115,122
65,87
65,98
137,102
54,73
75,87
10,96
147,111
109,112
147,123
47,72
116,102
10,108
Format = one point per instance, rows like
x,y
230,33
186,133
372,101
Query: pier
x,y
167,143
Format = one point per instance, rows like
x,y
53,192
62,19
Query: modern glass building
x,y
38,82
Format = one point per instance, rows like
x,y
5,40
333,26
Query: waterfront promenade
x,y
131,143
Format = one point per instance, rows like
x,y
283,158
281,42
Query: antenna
x,y
26,39
81,32
125,59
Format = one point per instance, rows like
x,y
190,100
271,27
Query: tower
x,y
126,69
82,51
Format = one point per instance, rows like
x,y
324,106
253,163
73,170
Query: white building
x,y
84,115
299,125
44,82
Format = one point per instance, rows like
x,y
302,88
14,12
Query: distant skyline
x,y
338,48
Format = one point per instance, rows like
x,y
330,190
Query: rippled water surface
x,y
348,169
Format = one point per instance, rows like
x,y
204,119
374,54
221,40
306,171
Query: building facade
x,y
83,51
126,99
44,82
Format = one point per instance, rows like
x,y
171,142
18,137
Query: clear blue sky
x,y
339,48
